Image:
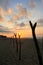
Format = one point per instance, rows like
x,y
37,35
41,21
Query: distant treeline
x,y
1,36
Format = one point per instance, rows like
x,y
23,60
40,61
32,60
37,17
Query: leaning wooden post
x,y
16,40
36,42
19,48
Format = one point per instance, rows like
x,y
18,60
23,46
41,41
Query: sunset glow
x,y
16,14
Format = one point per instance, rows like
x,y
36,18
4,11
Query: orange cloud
x,y
2,12
9,11
2,15
2,19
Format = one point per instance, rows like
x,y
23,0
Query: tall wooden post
x,y
36,42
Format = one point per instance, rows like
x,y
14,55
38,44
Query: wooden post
x,y
13,41
36,42
16,40
19,48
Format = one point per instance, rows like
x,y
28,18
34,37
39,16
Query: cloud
x,y
5,3
10,21
40,22
9,11
31,4
2,19
5,29
19,6
21,24
2,12
2,15
2,2
22,12
5,7
42,1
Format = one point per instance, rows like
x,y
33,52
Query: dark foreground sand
x,y
8,55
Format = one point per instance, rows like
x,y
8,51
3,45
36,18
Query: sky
x,y
16,14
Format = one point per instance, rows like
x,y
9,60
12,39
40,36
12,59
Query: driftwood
x,y
36,42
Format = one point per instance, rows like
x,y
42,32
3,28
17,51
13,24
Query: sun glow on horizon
x,y
15,16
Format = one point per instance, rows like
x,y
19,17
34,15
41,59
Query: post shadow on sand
x,y
36,42
16,40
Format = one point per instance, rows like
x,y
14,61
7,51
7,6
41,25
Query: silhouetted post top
x,y
15,34
19,35
33,26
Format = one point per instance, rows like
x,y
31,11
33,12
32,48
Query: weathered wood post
x,y
36,42
13,41
16,40
19,48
